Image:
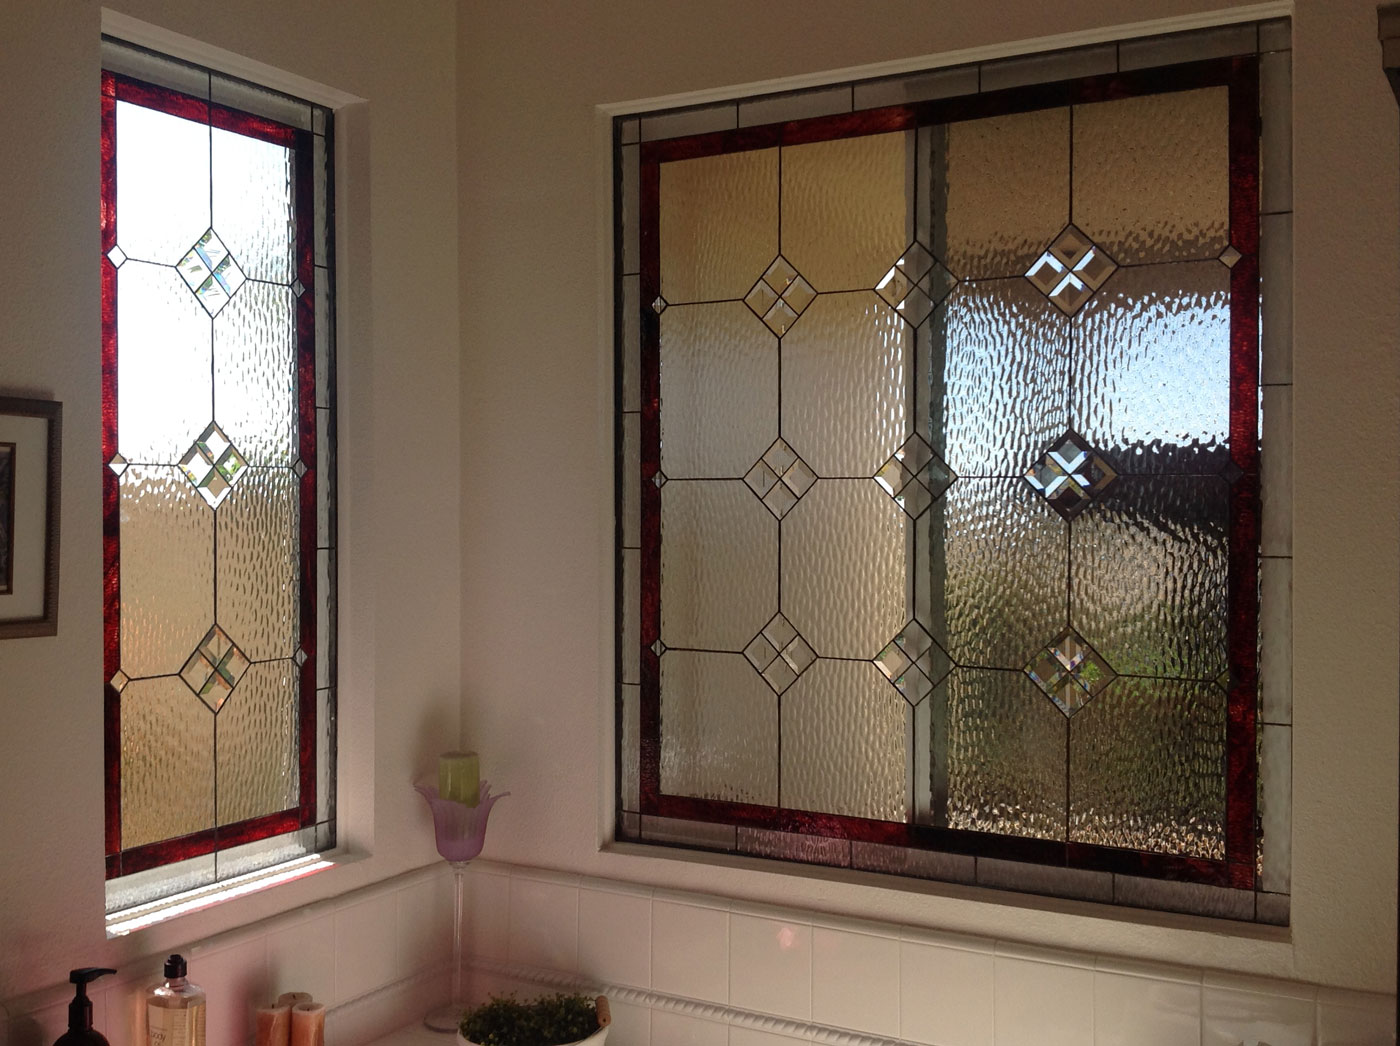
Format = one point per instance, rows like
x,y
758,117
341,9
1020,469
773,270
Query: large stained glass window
x,y
217,476
940,480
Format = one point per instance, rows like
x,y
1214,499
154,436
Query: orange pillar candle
x,y
308,1024
274,1025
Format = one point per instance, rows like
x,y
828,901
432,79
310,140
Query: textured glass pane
x,y
252,200
719,224
1004,388
629,748
1145,758
1004,585
164,397
1151,175
1153,382
846,739
631,480
848,208
846,569
719,564
1006,186
255,373
789,846
325,471
167,562
719,390
847,384
258,560
1005,756
257,744
721,735
1275,806
1150,566
167,762
325,617
162,184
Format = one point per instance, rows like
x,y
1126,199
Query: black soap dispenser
x,y
80,1030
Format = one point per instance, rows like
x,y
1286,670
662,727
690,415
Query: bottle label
x,y
174,1027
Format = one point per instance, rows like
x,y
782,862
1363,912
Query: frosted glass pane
x,y
1004,586
1151,175
252,197
1006,188
167,762
847,208
162,184
259,592
1005,378
167,563
719,390
846,568
846,738
257,744
1006,755
719,224
719,564
1145,758
1155,349
1150,566
255,373
847,384
721,735
164,395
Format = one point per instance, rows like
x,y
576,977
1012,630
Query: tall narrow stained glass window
x,y
217,474
939,483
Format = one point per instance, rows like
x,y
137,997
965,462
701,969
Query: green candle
x,y
459,777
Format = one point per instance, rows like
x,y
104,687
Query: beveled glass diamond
x,y
298,288
117,464
658,648
659,305
1070,671
119,680
780,478
299,657
1071,270
915,476
779,296
1070,475
660,479
913,662
211,272
760,478
213,465
779,654
915,284
1229,256
780,500
215,668
299,468
116,256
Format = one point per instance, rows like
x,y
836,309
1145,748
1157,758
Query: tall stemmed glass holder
x,y
460,830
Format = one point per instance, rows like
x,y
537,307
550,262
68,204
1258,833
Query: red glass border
x,y
121,861
1237,869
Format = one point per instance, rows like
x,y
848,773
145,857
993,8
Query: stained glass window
x,y
939,479
217,476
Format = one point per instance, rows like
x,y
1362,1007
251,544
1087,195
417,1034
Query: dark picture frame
x,y
31,443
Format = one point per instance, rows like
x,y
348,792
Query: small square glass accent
x,y
117,464
116,256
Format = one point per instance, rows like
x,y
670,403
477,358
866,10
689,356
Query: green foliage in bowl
x,y
550,1020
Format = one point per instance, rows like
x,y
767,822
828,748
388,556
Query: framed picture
x,y
30,457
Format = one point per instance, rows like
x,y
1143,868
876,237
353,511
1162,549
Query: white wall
x,y
537,466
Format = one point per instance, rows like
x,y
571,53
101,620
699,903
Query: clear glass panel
x,y
847,384
789,846
1275,806
255,373
325,616
320,173
721,736
1145,758
847,208
846,568
252,201
162,184
167,560
1152,388
258,771
719,390
719,565
719,224
1003,191
1152,175
167,762
846,742
629,788
325,472
631,480
164,393
1005,756
1149,573
259,595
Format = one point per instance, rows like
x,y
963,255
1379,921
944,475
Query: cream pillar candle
x,y
308,1024
459,777
275,1024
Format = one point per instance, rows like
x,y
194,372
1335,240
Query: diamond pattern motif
x,y
916,284
779,654
116,256
1071,270
117,464
780,296
914,662
119,680
915,476
211,272
1229,256
1070,475
1070,671
780,478
213,465
215,668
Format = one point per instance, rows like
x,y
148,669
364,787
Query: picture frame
x,y
31,443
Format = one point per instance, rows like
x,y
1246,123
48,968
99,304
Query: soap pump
x,y
80,1030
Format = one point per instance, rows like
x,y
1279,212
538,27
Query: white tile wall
x,y
855,980
945,991
690,951
770,965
